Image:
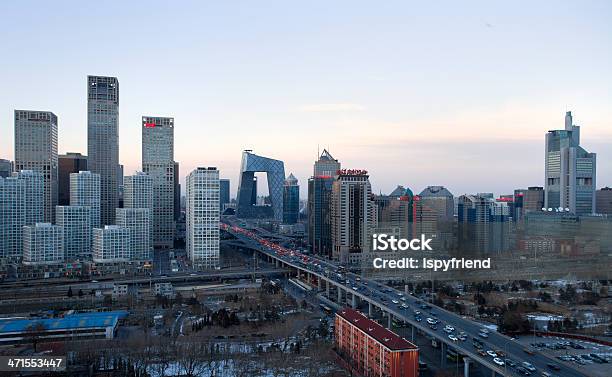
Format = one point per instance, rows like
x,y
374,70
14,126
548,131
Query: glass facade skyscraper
x,y
570,171
158,162
319,204
103,141
275,170
291,200
36,150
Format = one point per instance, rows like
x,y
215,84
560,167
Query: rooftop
x,y
72,321
386,337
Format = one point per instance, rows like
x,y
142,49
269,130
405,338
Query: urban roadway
x,y
394,304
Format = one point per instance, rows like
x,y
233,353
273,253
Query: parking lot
x,y
589,358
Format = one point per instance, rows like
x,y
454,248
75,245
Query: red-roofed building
x,y
371,350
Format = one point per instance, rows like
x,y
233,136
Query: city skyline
x,y
397,113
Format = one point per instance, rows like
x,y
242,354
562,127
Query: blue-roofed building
x,y
97,325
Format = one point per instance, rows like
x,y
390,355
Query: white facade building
x,y
76,222
36,150
138,221
111,244
21,204
43,243
202,217
85,192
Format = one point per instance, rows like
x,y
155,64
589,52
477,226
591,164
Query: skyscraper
x,y
6,168
202,217
604,201
351,211
21,204
85,192
319,204
68,163
103,140
76,223
43,243
570,171
138,221
177,192
291,200
224,193
36,150
326,165
275,171
158,162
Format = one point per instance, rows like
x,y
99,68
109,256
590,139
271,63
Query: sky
x,y
447,93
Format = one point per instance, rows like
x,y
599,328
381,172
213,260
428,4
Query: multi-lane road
x,y
395,304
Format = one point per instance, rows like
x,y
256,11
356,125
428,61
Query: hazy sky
x,y
449,93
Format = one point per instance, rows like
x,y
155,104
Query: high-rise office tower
x,y
570,171
6,168
326,165
138,221
275,172
158,162
36,150
604,201
76,223
350,216
473,223
68,163
103,140
177,192
483,224
224,193
202,217
85,192
319,204
111,244
43,243
291,200
533,199
138,192
21,204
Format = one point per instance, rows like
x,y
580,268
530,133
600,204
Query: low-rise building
x,y
372,350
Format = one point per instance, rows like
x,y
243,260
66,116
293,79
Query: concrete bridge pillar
x,y
412,333
339,296
443,354
466,367
327,284
319,284
370,309
354,301
389,320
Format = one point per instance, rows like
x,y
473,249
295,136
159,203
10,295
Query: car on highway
x,y
395,301
453,338
510,363
491,353
481,352
418,319
498,361
523,371
553,366
528,366
483,335
528,351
